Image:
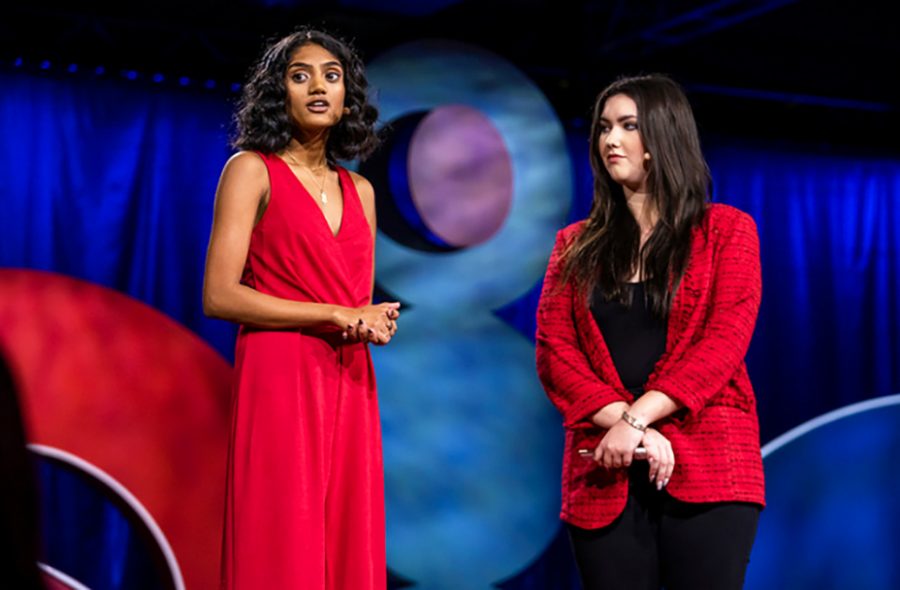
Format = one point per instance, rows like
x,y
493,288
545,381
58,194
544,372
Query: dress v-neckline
x,y
312,199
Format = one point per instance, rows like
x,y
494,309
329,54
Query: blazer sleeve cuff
x,y
578,415
680,391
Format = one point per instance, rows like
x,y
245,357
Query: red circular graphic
x,y
124,387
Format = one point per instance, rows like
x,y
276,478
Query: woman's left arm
x,y
367,198
707,364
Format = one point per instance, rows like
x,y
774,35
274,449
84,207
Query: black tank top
x,y
635,338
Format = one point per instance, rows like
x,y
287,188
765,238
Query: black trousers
x,y
660,542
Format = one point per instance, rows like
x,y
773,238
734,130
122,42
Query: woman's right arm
x,y
563,367
242,187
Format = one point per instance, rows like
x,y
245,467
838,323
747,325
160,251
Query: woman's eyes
x,y
628,126
301,77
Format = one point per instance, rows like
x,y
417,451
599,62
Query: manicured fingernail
x,y
659,486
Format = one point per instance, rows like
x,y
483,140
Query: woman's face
x,y
620,144
315,88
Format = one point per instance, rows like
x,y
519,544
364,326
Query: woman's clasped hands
x,y
617,450
371,323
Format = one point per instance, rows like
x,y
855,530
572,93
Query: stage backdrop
x,y
111,181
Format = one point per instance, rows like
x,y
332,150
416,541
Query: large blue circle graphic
x,y
422,76
832,514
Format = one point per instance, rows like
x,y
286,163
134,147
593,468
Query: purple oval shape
x,y
460,175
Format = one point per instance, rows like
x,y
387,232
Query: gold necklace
x,y
322,195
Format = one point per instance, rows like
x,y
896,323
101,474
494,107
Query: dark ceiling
x,y
816,72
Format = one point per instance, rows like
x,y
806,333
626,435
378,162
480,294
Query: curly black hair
x,y
262,119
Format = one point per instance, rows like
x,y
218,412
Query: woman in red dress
x,y
646,314
291,260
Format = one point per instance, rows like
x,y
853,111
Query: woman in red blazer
x,y
647,310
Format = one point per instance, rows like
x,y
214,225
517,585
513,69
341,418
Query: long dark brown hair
x,y
607,252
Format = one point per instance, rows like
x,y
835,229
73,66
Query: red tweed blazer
x,y
715,436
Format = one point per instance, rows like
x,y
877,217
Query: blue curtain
x,y
829,328
113,182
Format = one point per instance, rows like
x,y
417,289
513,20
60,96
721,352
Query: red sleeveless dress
x,y
305,486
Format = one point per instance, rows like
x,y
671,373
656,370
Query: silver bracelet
x,y
633,422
